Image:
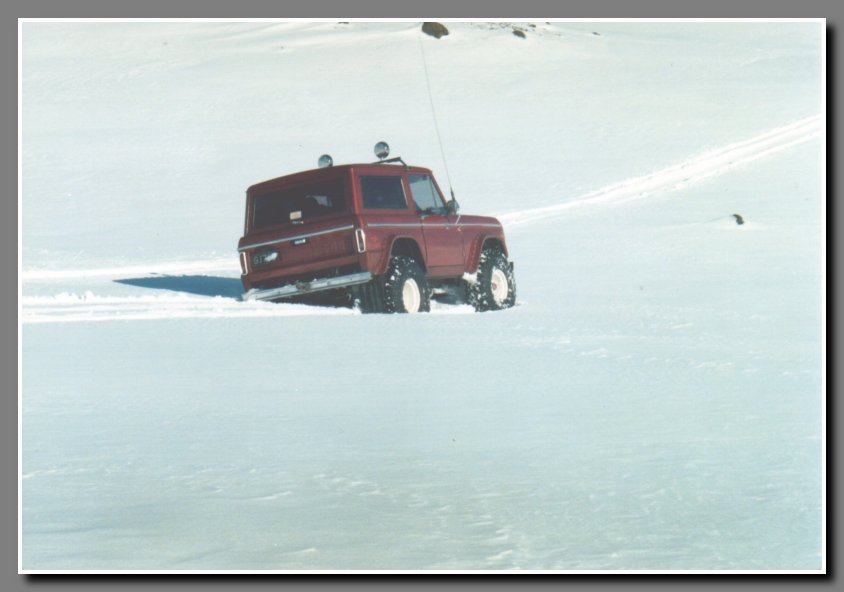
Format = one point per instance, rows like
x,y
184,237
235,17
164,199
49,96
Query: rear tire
x,y
495,286
403,289
406,287
369,297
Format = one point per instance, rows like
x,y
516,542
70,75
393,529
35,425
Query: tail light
x,y
360,240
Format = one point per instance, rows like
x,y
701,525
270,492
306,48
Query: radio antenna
x,y
434,115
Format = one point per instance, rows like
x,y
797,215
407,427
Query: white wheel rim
x,y
410,295
500,287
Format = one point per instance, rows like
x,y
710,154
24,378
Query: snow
x,y
654,401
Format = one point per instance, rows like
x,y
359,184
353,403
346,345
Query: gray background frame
x,y
493,9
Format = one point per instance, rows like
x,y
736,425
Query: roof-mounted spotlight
x,y
382,150
325,161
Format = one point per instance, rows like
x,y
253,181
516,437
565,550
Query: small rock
x,y
519,33
436,30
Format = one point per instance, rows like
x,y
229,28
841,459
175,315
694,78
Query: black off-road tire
x,y
487,291
386,293
404,269
369,297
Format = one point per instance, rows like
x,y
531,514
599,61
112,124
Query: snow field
x,y
632,423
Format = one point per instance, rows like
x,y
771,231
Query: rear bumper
x,y
300,288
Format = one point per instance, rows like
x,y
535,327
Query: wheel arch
x,y
402,245
481,243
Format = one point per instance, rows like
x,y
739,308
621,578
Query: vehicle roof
x,y
332,172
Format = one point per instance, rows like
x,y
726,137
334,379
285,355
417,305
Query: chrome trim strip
x,y
449,225
298,288
396,225
293,238
479,224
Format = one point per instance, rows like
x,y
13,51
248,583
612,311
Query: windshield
x,y
298,204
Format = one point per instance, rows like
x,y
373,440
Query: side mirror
x,y
452,206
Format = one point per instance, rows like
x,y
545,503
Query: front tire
x,y
495,286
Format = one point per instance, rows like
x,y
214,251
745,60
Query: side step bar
x,y
299,288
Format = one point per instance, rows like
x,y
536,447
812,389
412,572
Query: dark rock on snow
x,y
434,29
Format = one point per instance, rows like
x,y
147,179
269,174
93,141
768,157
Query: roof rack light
x,y
382,150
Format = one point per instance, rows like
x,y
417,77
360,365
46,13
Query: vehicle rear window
x,y
383,193
303,202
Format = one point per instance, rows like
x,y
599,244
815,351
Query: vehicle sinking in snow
x,y
381,233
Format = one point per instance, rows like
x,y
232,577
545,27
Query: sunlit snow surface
x,y
653,402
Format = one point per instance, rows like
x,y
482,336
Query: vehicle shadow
x,y
206,285
202,285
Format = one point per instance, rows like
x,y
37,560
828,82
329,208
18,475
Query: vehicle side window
x,y
425,194
383,193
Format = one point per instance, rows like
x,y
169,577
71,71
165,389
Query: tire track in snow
x,y
90,307
693,170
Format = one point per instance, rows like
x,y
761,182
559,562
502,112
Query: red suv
x,y
380,232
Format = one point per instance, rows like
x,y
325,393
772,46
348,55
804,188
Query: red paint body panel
x,y
318,240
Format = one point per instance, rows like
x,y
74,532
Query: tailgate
x,y
296,249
